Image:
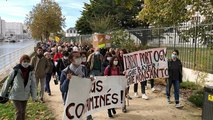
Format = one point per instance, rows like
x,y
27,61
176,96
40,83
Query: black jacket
x,y
175,70
61,65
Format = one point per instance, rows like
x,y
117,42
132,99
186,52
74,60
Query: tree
x,y
103,24
83,26
201,29
45,18
164,12
121,39
121,14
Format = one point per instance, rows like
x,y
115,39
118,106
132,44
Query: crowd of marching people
x,y
63,60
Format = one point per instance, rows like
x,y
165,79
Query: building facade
x,y
14,28
71,32
2,29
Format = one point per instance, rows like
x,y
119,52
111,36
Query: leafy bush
x,y
122,39
197,98
189,85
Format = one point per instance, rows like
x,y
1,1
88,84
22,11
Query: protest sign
x,y
86,97
101,40
146,64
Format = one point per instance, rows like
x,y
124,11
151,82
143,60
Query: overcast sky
x,y
16,10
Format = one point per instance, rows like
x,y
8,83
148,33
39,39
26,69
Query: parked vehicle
x,y
10,39
1,38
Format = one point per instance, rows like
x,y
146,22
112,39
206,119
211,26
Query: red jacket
x,y
57,56
113,71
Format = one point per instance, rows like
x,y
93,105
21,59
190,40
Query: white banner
x,y
86,97
145,65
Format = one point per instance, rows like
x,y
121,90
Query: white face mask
x,y
97,52
84,59
25,64
65,57
109,58
115,62
78,61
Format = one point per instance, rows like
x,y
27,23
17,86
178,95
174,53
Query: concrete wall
x,y
192,75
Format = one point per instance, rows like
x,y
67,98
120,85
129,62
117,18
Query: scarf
x,y
77,70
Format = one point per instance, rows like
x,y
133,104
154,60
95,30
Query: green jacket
x,y
18,90
40,66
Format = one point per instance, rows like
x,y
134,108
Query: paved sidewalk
x,y
156,108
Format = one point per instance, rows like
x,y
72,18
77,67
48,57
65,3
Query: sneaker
x,y
168,100
144,96
124,110
153,89
42,100
110,115
89,117
178,105
136,95
128,97
113,111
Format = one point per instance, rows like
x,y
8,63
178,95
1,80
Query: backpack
x,y
6,99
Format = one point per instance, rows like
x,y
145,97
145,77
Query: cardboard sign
x,y
145,65
101,40
86,97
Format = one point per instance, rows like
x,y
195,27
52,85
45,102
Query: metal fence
x,y
9,60
194,42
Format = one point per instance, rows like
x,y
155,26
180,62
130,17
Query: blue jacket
x,y
18,90
64,82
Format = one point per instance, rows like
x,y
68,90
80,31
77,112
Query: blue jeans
x,y
47,84
176,85
59,75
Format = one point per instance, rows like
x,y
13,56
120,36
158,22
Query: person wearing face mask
x,y
75,68
58,55
23,85
121,65
41,67
50,73
175,77
107,58
112,70
84,58
62,63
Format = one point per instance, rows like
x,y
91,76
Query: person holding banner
x,y
106,60
175,77
112,70
75,68
121,65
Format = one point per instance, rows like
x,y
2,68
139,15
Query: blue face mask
x,y
174,56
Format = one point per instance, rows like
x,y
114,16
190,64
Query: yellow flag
x,y
101,45
57,39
